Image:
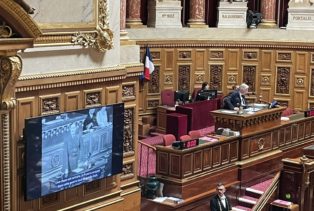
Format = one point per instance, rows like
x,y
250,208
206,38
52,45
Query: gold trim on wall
x,y
98,35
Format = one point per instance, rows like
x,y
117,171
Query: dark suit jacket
x,y
232,100
89,120
215,201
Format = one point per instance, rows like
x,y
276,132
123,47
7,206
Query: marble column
x,y
268,10
197,14
133,14
123,32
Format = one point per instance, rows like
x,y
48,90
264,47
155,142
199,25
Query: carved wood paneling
x,y
162,163
312,57
266,79
92,187
245,148
49,200
152,103
111,182
260,144
174,164
187,170
216,54
169,59
250,55
249,77
200,59
199,77
184,55
265,94
26,107
267,60
216,156
275,138
234,146
232,78
50,104
225,153
301,62
153,84
72,101
93,97
184,72
233,60
155,55
283,80
299,99
312,82
284,56
127,171
207,160
129,91
299,81
197,161
112,95
215,78
128,143
72,194
168,79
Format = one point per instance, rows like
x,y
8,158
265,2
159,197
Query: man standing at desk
x,y
220,202
237,99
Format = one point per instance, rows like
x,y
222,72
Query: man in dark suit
x,y
220,202
91,120
236,99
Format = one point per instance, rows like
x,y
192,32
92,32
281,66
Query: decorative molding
x,y
10,70
184,55
93,98
155,55
250,55
5,30
199,77
168,78
50,104
5,122
101,38
127,171
226,44
128,143
216,54
284,56
265,79
283,80
232,78
300,81
128,91
249,76
216,73
92,187
50,199
153,103
24,21
184,71
153,84
91,76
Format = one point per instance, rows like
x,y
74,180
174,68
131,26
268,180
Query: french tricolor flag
x,y
148,64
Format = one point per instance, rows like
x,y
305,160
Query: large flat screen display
x,y
72,148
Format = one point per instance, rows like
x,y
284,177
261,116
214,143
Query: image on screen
x,y
72,148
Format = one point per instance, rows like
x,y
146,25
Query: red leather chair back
x,y
168,139
195,134
185,138
167,97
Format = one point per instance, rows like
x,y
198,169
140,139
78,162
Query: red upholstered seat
x,y
167,97
195,134
168,139
185,138
287,112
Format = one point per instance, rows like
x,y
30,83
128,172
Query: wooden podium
x,y
248,122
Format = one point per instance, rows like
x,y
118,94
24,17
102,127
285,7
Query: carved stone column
x,y
123,32
268,10
10,70
197,14
133,14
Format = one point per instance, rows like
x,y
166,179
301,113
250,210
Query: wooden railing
x,y
142,154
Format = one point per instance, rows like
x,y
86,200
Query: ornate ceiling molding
x,y
16,17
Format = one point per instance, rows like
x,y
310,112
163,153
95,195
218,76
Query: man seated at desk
x,y
236,99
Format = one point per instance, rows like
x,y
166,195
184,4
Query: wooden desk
x,y
276,207
162,112
247,123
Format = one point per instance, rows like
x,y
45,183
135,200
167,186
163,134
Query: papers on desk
x,y
252,109
228,111
169,199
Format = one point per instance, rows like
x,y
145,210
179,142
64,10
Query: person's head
x,y
205,86
243,89
235,87
220,188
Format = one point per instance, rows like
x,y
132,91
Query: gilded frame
x,y
95,34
